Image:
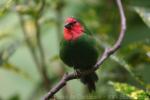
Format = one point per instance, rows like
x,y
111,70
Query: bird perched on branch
x,y
78,49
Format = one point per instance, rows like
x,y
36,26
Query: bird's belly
x,y
81,57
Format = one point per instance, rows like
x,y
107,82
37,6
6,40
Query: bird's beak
x,y
68,26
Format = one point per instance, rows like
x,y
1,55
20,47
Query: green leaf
x,y
54,58
6,6
144,13
15,69
130,91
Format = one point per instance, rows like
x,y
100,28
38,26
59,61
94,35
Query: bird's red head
x,y
72,29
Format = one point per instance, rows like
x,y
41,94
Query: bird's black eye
x,y
69,25
74,22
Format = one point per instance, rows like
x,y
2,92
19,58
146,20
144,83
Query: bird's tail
x,y
90,80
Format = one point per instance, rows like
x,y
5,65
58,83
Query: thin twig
x,y
105,55
40,63
32,50
38,32
35,58
41,7
42,55
39,43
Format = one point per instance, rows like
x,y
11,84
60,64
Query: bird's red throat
x,y
74,32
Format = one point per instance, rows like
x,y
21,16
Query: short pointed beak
x,y
68,26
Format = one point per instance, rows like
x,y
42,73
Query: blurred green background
x,y
30,33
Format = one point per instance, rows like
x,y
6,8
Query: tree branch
x,y
40,63
40,46
35,58
105,55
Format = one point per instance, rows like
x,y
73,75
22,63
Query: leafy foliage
x,y
130,91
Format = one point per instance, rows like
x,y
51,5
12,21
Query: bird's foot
x,y
77,72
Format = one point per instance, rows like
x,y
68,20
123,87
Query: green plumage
x,y
81,54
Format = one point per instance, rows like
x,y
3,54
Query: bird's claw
x,y
77,72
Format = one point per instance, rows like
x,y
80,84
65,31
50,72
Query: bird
x,y
78,50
